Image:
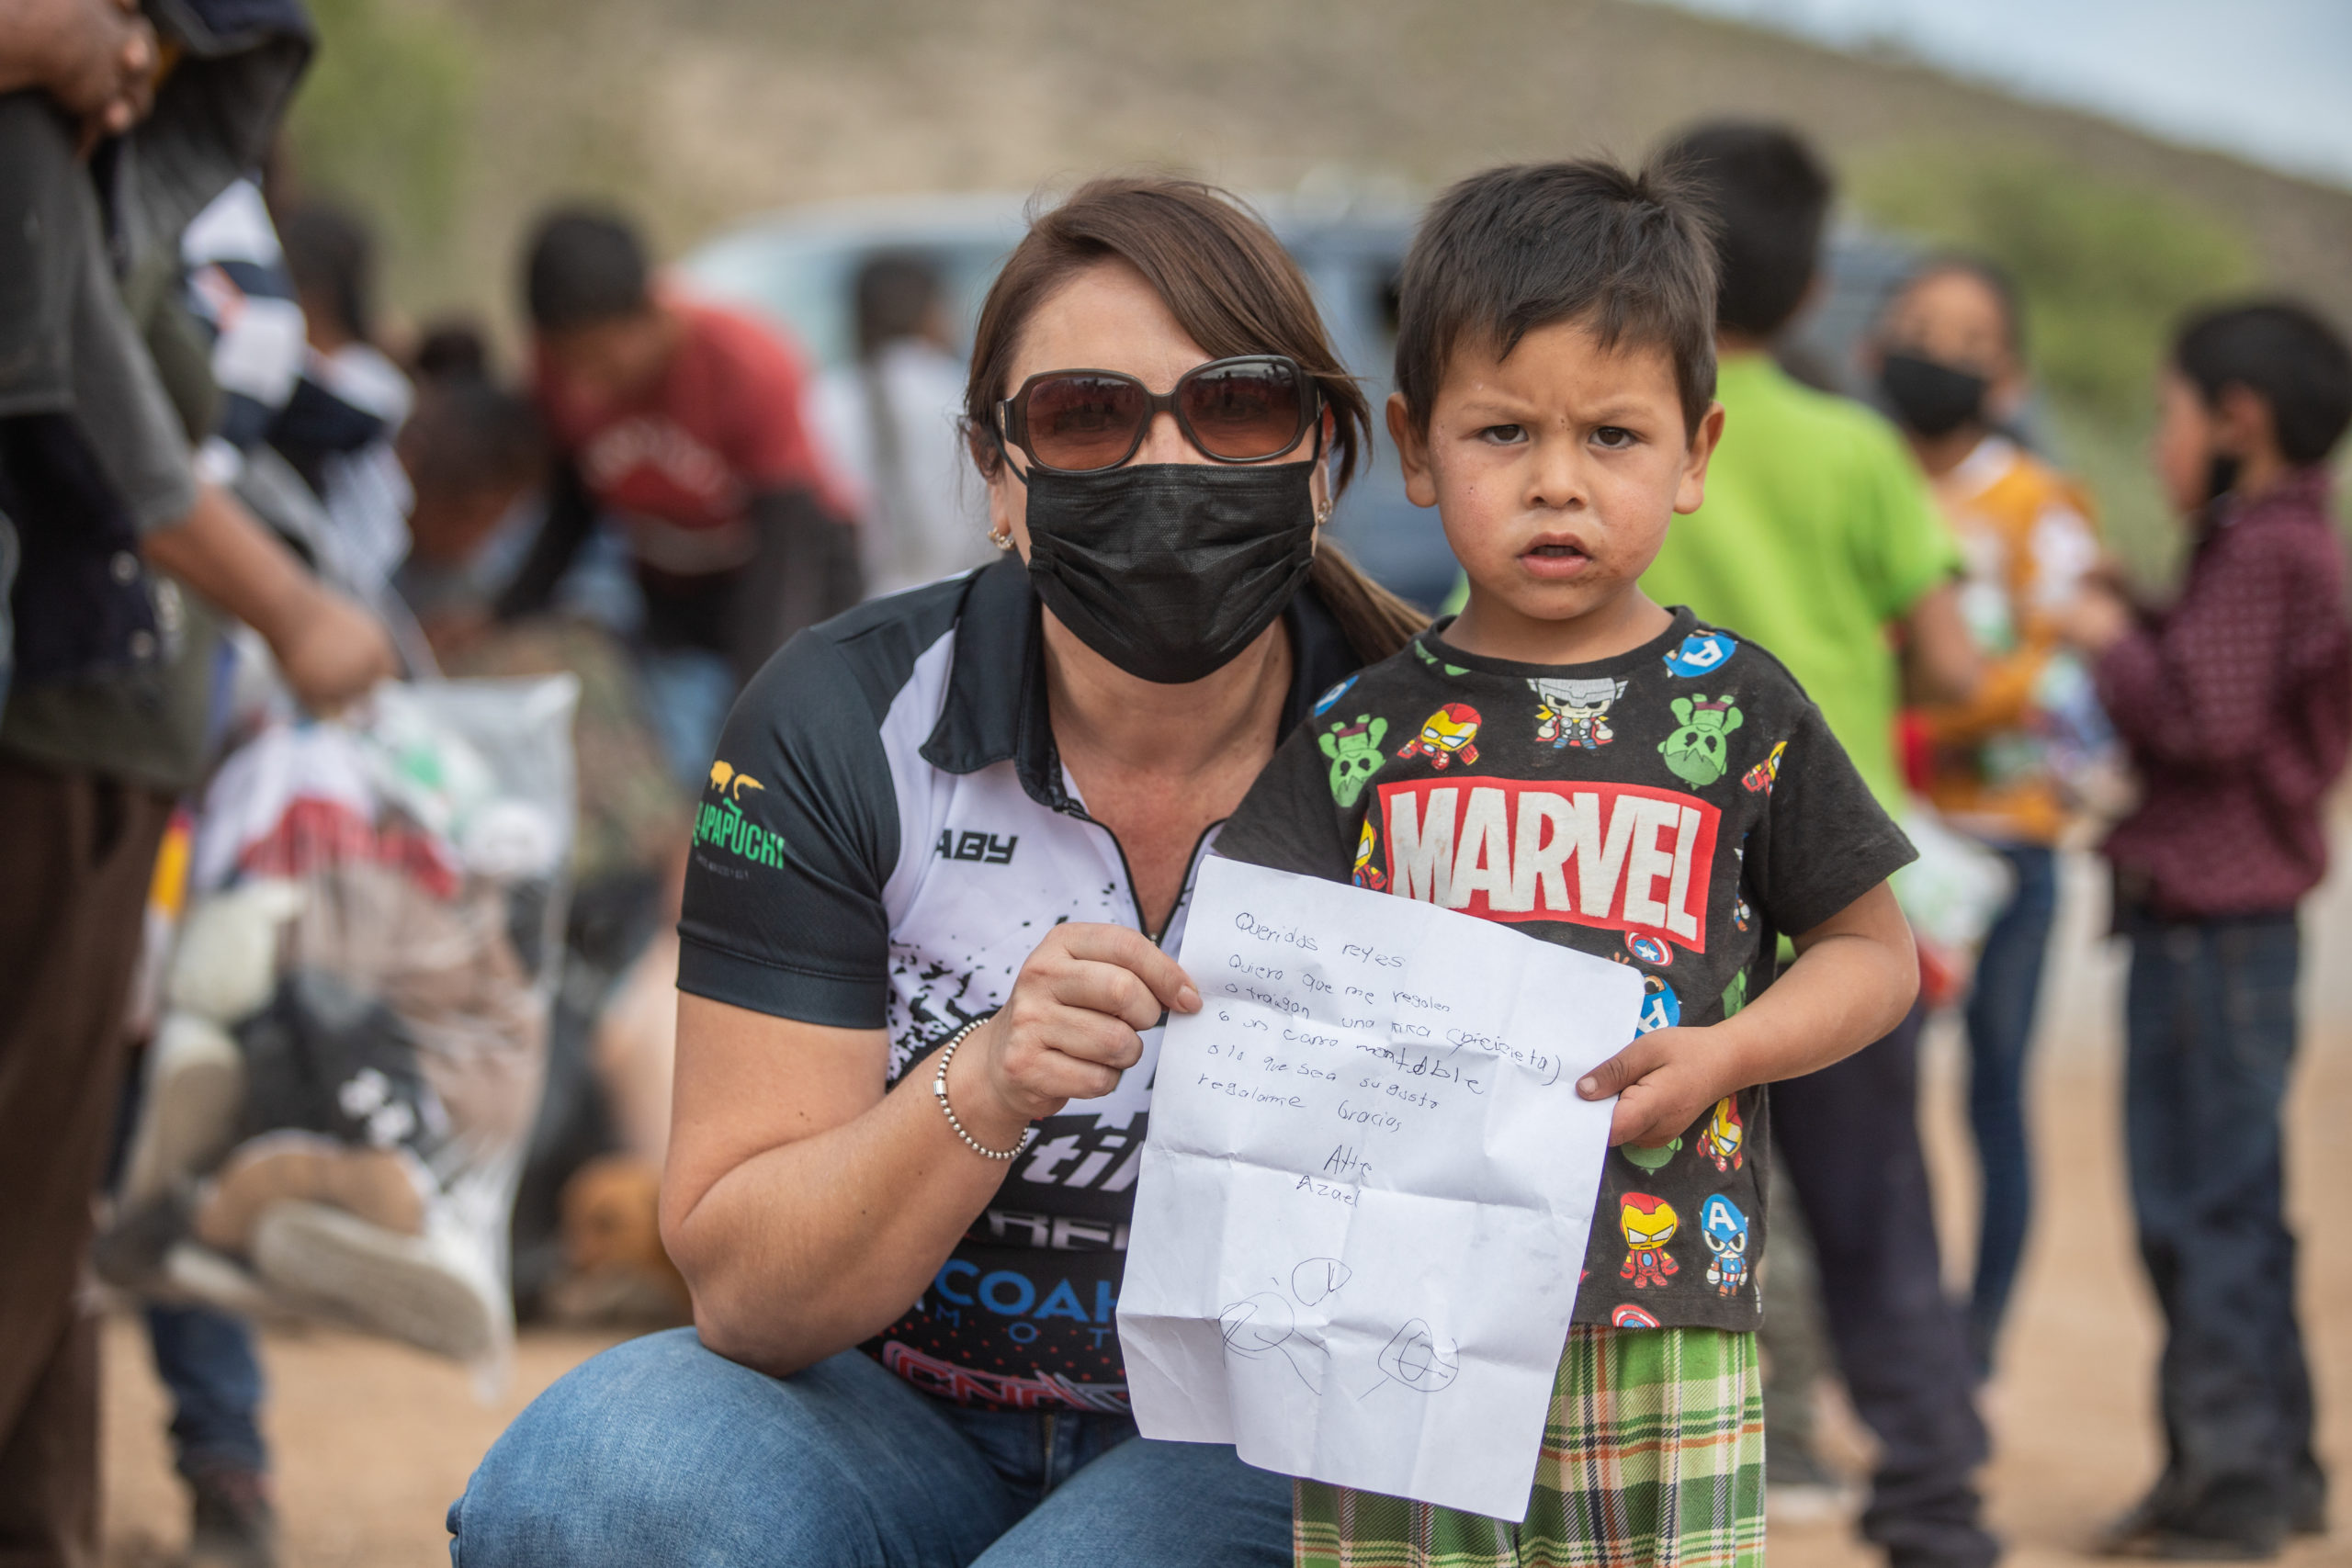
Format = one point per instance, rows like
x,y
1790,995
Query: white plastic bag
x,y
1952,894
375,921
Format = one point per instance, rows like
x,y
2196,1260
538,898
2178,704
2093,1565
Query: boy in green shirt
x,y
1819,539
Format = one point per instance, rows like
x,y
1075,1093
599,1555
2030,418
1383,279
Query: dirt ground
x,y
374,1440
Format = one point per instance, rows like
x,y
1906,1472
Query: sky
x,y
2268,80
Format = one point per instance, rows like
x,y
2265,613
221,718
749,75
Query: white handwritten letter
x,y
1368,1183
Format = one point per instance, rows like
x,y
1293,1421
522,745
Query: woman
x,y
2005,765
937,875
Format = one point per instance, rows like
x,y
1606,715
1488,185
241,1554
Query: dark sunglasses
x,y
1244,410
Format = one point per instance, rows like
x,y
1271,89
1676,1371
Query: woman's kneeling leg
x,y
658,1452
1148,1505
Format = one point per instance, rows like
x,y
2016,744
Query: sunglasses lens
x,y
1082,422
1250,410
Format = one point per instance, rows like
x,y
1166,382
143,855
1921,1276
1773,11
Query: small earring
x,y
1323,512
1001,538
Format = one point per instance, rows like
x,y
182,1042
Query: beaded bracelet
x,y
939,1089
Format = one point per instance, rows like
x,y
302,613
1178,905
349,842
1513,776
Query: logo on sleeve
x,y
722,825
1625,857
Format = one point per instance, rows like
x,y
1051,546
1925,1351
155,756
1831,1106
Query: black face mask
x,y
1930,398
1170,569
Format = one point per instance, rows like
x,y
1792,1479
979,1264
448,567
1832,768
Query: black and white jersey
x,y
886,834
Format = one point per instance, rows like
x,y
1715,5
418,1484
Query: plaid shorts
x,y
1652,1454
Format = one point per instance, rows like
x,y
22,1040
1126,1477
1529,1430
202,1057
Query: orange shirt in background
x,y
2027,534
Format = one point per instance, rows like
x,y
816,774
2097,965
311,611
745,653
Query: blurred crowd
x,y
233,495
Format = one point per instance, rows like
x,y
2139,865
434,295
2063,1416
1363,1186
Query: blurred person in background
x,y
1950,363
240,301
684,425
891,420
1819,539
108,714
339,427
585,1245
2234,702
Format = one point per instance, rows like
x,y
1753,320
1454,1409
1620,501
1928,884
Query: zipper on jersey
x,y
1183,895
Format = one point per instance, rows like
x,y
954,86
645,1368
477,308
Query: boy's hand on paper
x,y
1664,1081
1075,1019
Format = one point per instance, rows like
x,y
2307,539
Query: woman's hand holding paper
x,y
1073,1024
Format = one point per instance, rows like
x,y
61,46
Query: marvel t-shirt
x,y
1675,809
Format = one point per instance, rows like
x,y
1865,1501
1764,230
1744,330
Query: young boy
x,y
682,424
2235,703
1621,778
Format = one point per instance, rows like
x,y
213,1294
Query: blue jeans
x,y
206,1358
2000,1027
1849,1137
2211,1035
659,1452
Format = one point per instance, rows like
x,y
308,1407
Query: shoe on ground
x,y
384,1186
189,1109
426,1290
2129,1533
2309,1515
192,1273
2224,1525
235,1526
2169,1545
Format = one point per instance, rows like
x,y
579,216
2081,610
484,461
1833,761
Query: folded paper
x,y
1368,1187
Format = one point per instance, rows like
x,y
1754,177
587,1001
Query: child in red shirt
x,y
679,424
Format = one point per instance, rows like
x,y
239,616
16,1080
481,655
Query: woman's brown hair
x,y
1234,290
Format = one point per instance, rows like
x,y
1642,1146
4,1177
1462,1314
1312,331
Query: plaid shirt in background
x,y
2236,704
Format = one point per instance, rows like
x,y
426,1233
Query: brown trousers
x,y
76,852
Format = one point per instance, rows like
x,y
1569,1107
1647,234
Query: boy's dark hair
x,y
1768,195
584,265
331,257
452,348
468,434
2283,354
896,291
1524,247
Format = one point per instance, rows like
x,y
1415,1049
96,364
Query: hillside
x,y
454,120
701,111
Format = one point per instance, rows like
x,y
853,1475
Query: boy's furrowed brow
x,y
1495,405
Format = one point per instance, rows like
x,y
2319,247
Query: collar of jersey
x,y
995,709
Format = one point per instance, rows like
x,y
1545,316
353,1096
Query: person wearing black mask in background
x,y
940,868
2009,764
